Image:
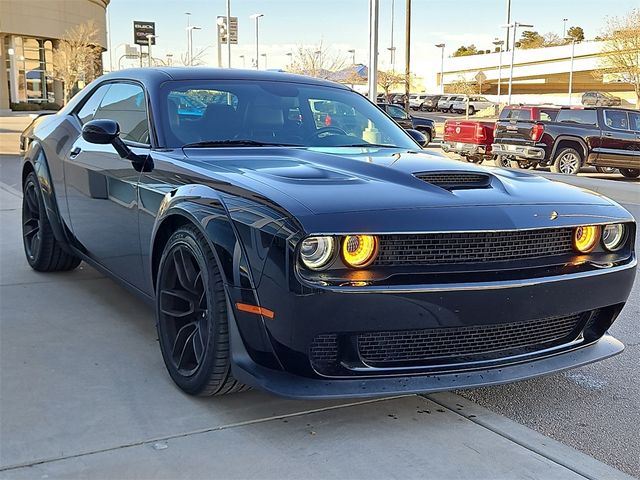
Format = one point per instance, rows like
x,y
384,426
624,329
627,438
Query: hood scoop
x,y
455,180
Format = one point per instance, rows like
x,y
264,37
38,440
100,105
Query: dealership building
x,y
537,71
29,34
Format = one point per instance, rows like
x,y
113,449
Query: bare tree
x,y
462,86
77,57
387,80
196,60
316,61
621,51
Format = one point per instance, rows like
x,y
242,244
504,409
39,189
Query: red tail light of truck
x,y
479,134
536,132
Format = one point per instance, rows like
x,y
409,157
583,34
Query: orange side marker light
x,y
245,307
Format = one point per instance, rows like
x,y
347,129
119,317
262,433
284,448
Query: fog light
x,y
613,236
316,252
359,251
585,238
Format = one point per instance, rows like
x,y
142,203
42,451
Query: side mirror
x,y
104,132
417,136
101,132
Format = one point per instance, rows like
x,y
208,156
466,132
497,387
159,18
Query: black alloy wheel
x,y
630,172
501,161
44,253
191,315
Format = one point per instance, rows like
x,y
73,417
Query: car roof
x,y
162,74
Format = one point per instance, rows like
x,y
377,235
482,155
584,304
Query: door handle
x,y
75,152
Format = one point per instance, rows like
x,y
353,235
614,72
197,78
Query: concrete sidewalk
x,y
84,394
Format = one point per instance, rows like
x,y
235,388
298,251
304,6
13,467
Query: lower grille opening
x,y
434,347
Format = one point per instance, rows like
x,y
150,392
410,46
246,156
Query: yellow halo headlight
x,y
359,251
586,237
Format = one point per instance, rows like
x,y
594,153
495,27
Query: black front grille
x,y
324,350
462,342
473,247
454,180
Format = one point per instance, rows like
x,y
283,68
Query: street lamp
x,y
441,47
564,27
256,17
190,30
499,44
573,53
353,56
514,26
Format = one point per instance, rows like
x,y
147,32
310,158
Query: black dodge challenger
x,y
316,260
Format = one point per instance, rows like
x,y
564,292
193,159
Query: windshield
x,y
250,112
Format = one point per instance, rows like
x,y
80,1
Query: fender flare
x,y
36,160
571,138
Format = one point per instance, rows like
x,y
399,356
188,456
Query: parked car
x,y
445,103
475,103
600,99
430,103
416,100
598,136
426,126
398,99
469,139
309,262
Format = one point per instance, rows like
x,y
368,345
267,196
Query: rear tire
x,y
472,110
44,253
606,169
630,172
567,161
501,161
192,319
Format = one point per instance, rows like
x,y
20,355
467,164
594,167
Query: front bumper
x,y
519,151
466,149
302,316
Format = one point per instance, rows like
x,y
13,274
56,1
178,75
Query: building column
x,y
4,79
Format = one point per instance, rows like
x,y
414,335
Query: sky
x,y
342,25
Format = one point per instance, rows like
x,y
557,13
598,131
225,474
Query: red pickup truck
x,y
472,139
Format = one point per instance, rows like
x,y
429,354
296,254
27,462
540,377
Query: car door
x,y
102,187
620,144
400,116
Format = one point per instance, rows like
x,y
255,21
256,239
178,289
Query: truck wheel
x,y
501,161
41,248
630,172
191,315
606,169
567,160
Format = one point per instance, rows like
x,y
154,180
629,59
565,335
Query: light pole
x,y
564,27
220,28
150,38
229,33
499,43
441,47
353,56
392,49
190,30
265,60
514,26
573,54
373,49
256,17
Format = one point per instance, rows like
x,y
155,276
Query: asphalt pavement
x,y
84,393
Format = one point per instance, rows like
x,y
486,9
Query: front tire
x,y
191,313
472,110
567,161
630,172
44,253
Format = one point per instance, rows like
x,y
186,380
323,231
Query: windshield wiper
x,y
237,143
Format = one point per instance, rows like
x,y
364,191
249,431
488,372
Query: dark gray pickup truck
x,y
604,137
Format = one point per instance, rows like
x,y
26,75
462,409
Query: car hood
x,y
331,180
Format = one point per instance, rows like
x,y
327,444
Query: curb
x,y
553,450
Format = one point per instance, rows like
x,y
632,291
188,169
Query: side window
x,y
634,120
89,108
616,119
125,103
396,112
583,117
